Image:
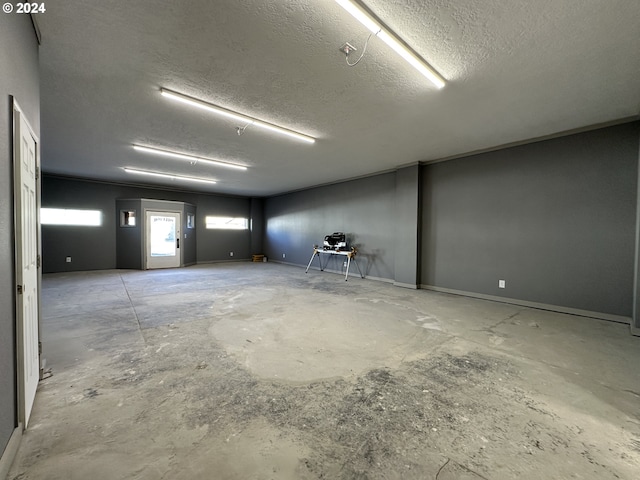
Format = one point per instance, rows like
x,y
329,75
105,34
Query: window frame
x,y
59,217
225,223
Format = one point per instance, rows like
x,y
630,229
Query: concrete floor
x,y
258,371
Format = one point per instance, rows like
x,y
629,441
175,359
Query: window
x,y
127,218
63,216
227,223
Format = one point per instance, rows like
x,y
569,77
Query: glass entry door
x,y
162,239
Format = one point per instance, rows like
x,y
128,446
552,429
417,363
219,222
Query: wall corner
x,y
635,318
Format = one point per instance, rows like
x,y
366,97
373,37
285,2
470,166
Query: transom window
x,y
227,223
67,216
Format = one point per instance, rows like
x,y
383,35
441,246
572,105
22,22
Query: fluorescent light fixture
x,y
167,175
361,14
189,158
239,117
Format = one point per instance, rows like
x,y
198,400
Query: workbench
x,y
350,254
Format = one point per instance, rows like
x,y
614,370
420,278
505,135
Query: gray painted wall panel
x,y
129,239
364,209
555,219
635,321
19,77
257,226
215,245
90,248
189,237
407,221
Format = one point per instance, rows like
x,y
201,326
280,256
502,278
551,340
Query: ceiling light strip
x,y
189,158
168,175
246,119
360,13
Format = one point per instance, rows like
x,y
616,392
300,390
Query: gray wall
x,y
82,243
364,209
189,237
19,78
635,322
90,248
216,245
129,247
555,219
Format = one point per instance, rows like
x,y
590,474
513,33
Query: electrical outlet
x,y
68,260
283,255
344,264
502,284
231,254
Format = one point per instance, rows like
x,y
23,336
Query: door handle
x,y
177,243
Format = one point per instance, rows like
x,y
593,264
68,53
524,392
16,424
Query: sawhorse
x,y
350,254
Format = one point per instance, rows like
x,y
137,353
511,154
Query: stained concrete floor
x,y
258,371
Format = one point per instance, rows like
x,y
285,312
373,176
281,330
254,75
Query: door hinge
x,y
20,289
38,261
39,348
37,173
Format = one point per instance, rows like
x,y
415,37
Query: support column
x,y
407,233
257,226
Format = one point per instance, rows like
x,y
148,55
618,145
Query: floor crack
x,y
501,322
442,468
135,314
467,469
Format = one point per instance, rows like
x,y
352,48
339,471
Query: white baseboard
x,y
406,285
525,303
206,262
10,452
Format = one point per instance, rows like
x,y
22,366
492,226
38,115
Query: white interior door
x,y
25,148
162,239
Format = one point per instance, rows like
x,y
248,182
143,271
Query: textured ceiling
x,y
515,70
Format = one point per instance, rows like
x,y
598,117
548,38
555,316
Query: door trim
x,y
146,230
